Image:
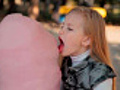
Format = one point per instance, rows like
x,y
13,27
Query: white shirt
x,y
105,85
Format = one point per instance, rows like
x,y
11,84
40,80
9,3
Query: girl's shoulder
x,y
93,73
99,69
99,72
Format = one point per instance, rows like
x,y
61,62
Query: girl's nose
x,y
61,32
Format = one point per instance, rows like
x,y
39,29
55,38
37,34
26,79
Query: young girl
x,y
86,64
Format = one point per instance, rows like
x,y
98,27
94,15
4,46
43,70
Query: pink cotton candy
x,y
28,55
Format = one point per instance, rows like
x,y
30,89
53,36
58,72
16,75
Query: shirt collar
x,y
79,58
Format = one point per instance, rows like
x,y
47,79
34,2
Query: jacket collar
x,y
80,66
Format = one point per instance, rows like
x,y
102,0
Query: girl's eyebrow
x,y
69,24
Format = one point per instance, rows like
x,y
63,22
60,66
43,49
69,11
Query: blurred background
x,y
52,12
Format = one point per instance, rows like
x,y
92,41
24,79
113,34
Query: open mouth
x,y
60,47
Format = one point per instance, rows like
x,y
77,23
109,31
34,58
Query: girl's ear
x,y
86,41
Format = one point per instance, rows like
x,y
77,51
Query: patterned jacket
x,y
84,76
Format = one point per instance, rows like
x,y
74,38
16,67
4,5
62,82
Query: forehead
x,y
73,19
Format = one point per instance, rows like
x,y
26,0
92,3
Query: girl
x,y
86,64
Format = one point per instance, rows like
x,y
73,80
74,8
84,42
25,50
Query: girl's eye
x,y
70,29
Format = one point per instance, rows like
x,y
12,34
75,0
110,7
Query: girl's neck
x,y
80,51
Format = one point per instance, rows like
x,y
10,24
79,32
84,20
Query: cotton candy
x,y
28,55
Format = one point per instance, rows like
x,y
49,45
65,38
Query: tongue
x,y
60,48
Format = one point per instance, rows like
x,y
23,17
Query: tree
x,y
102,3
1,4
12,7
87,3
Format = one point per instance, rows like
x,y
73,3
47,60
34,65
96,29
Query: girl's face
x,y
73,40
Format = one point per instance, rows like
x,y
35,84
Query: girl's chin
x,y
64,54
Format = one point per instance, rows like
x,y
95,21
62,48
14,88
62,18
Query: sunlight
x,y
18,2
36,10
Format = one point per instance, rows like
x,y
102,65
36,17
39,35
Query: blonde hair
x,y
94,27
